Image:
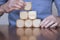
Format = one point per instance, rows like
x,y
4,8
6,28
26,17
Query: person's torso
x,y
2,2
43,8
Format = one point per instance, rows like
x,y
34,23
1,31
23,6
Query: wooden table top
x,y
50,34
46,34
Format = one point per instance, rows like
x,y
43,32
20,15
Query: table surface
x,y
46,34
4,32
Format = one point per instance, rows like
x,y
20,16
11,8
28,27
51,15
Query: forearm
x,y
1,10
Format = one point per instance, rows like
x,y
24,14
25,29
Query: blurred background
x,y
4,21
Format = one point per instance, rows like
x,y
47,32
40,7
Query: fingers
x,y
49,24
46,22
18,4
54,25
21,4
43,23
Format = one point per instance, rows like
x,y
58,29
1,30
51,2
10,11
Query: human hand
x,y
50,22
13,5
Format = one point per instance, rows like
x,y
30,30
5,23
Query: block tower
x,y
28,24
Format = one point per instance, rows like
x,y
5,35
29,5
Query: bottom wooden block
x,y
20,23
36,22
28,23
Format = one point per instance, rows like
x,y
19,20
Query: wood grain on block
x,y
36,22
32,38
28,23
24,38
28,6
20,23
28,31
36,32
32,14
23,15
20,31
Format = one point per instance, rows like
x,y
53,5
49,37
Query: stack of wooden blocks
x,y
28,25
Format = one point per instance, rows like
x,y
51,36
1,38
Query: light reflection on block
x,y
20,31
36,31
23,38
32,38
28,31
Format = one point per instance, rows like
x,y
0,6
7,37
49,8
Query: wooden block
x,y
24,38
23,15
20,23
32,14
32,38
28,31
28,23
20,31
36,32
36,22
28,6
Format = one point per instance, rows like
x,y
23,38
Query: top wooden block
x,y
28,6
